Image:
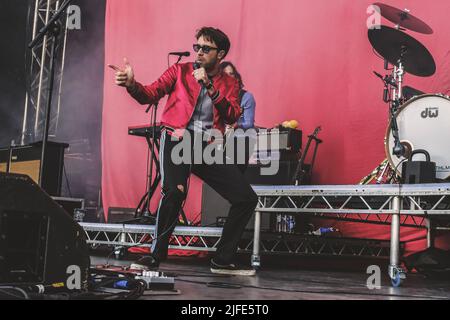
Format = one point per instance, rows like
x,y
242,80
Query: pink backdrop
x,y
302,59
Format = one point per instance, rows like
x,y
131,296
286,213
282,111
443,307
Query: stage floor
x,y
293,280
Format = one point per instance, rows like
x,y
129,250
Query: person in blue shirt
x,y
247,119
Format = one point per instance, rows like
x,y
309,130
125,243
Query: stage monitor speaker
x,y
39,241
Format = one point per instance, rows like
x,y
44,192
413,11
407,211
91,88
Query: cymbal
x,y
393,44
403,18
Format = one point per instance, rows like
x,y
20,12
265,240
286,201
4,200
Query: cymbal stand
x,y
397,96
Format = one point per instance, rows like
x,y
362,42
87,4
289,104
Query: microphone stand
x,y
395,82
178,61
398,149
52,30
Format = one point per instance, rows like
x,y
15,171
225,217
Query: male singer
x,y
201,98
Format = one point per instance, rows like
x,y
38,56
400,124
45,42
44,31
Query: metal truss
x,y
368,204
183,238
206,239
38,73
424,204
321,246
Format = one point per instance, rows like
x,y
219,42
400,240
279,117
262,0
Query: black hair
x,y
225,64
217,36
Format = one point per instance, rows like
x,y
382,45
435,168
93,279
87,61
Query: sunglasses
x,y
205,49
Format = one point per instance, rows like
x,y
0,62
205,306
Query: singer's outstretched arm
x,y
154,92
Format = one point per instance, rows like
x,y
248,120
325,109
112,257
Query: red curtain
x,y
302,59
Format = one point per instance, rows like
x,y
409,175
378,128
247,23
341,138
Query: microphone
x,y
197,66
399,149
180,54
378,75
387,79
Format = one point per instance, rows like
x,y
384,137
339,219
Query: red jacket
x,y
183,90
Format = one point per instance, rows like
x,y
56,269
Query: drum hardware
x,y
387,81
416,120
407,55
391,81
399,149
382,174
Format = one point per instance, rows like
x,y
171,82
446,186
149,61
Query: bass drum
x,y
423,123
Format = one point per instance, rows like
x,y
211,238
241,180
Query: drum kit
x,y
417,123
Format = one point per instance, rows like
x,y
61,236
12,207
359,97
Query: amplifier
x,y
119,215
27,160
263,157
278,139
255,174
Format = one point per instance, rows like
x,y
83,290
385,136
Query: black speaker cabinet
x,y
215,211
215,208
27,160
39,241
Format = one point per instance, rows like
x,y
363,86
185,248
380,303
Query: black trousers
x,y
227,180
249,144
